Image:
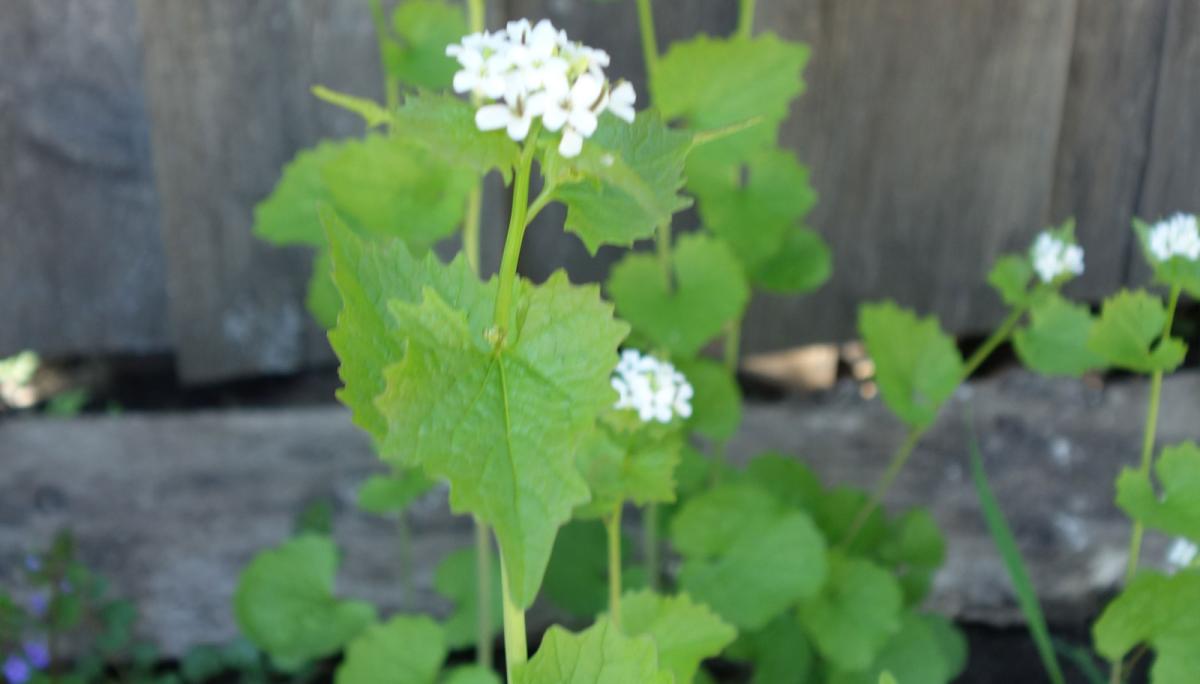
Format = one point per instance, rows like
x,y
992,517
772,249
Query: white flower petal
x,y
571,144
518,127
493,117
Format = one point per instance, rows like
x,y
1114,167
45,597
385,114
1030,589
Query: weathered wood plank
x,y
172,506
931,129
1104,141
228,86
1172,181
81,261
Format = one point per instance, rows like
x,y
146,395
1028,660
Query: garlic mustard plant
x,y
652,388
1177,236
1054,257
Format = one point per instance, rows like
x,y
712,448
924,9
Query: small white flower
x,y
1182,553
1177,236
653,388
1053,257
533,70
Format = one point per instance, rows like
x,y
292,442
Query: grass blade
x,y
1083,661
1006,544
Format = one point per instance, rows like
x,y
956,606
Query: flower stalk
x,y
746,9
612,525
649,39
516,650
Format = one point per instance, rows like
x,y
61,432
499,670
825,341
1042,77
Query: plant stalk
x,y
1149,435
612,525
649,39
745,27
483,595
516,234
733,342
516,651
901,456
390,87
650,545
476,15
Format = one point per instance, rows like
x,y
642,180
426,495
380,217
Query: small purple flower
x,y
33,563
16,670
37,653
37,603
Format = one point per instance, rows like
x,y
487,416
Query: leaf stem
x,y
989,345
390,86
483,595
733,341
471,223
1147,458
516,233
612,525
516,651
476,15
745,27
539,203
649,39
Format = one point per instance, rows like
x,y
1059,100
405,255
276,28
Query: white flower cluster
x,y
1181,553
651,387
1054,257
1176,236
529,71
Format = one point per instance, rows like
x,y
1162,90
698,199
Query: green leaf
x,y
284,602
1006,545
425,28
751,206
500,421
600,654
856,613
717,403
1176,510
323,301
445,126
927,649
289,215
802,264
839,507
781,652
407,648
715,82
1010,277
1128,333
373,113
391,493
916,549
367,338
713,520
917,366
685,632
1177,271
709,291
387,186
1056,340
762,573
1158,610
624,184
456,580
787,479
577,578
471,674
629,463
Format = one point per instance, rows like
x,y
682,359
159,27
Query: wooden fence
x,y
138,134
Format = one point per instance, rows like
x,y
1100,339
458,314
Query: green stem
x,y
483,592
516,651
390,86
885,483
1002,333
471,225
612,525
539,203
1149,436
662,245
649,40
650,547
476,15
516,234
989,345
745,27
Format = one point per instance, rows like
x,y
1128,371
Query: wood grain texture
x,y
1104,140
930,127
1172,180
171,507
81,260
228,85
